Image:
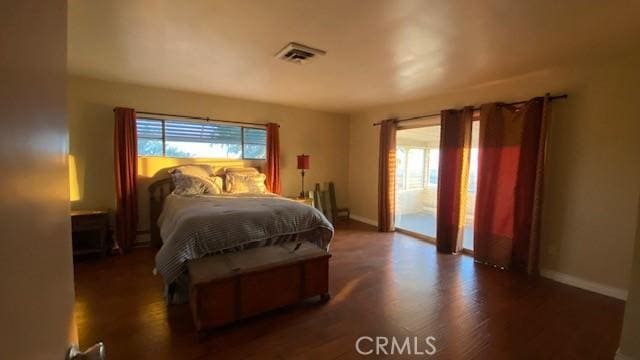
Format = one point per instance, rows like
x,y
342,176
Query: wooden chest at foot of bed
x,y
228,287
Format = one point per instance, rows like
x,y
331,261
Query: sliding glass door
x,y
467,234
417,165
417,179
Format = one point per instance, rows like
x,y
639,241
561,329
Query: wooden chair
x,y
337,213
316,195
321,202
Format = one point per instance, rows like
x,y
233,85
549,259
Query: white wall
x,y
593,179
36,306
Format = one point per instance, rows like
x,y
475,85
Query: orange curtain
x,y
273,158
455,143
387,176
126,171
511,158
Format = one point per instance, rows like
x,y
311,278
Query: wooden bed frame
x,y
158,191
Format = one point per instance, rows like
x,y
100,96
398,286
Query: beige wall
x,y
323,135
36,306
593,178
630,340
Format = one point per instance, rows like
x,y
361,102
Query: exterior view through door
x,y
417,163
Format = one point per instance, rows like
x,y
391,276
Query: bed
x,y
192,227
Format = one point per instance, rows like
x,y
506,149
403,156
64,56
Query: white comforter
x,y
195,226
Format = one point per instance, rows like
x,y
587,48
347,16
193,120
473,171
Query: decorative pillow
x,y
195,185
238,170
188,185
246,183
218,185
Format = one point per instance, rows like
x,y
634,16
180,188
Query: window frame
x,y
425,167
164,138
421,183
242,143
429,184
404,170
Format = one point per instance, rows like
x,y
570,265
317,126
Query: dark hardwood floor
x,y
382,284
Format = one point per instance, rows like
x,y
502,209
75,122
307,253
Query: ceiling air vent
x,y
298,53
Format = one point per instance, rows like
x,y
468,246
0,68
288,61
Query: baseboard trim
x,y
584,284
363,219
621,356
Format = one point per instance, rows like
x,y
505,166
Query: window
x,y
255,143
150,138
473,171
190,139
401,159
434,164
410,168
415,168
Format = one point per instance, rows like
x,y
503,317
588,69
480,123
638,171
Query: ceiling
x,y
378,51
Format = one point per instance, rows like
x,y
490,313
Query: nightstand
x,y
306,201
90,232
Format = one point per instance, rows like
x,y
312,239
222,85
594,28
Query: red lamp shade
x,y
303,162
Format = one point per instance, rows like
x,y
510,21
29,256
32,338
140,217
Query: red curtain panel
x,y
510,170
273,158
455,144
387,176
126,171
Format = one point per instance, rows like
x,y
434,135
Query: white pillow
x,y
244,170
198,170
238,170
246,183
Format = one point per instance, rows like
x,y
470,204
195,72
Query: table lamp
x,y
303,164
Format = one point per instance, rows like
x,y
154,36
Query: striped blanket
x,y
192,227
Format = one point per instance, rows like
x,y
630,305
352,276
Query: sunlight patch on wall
x,y
74,187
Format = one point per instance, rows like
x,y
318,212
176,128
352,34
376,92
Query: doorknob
x,y
96,352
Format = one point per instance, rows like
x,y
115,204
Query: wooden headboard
x,y
158,191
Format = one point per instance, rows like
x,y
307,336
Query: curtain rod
x,y
199,118
562,96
